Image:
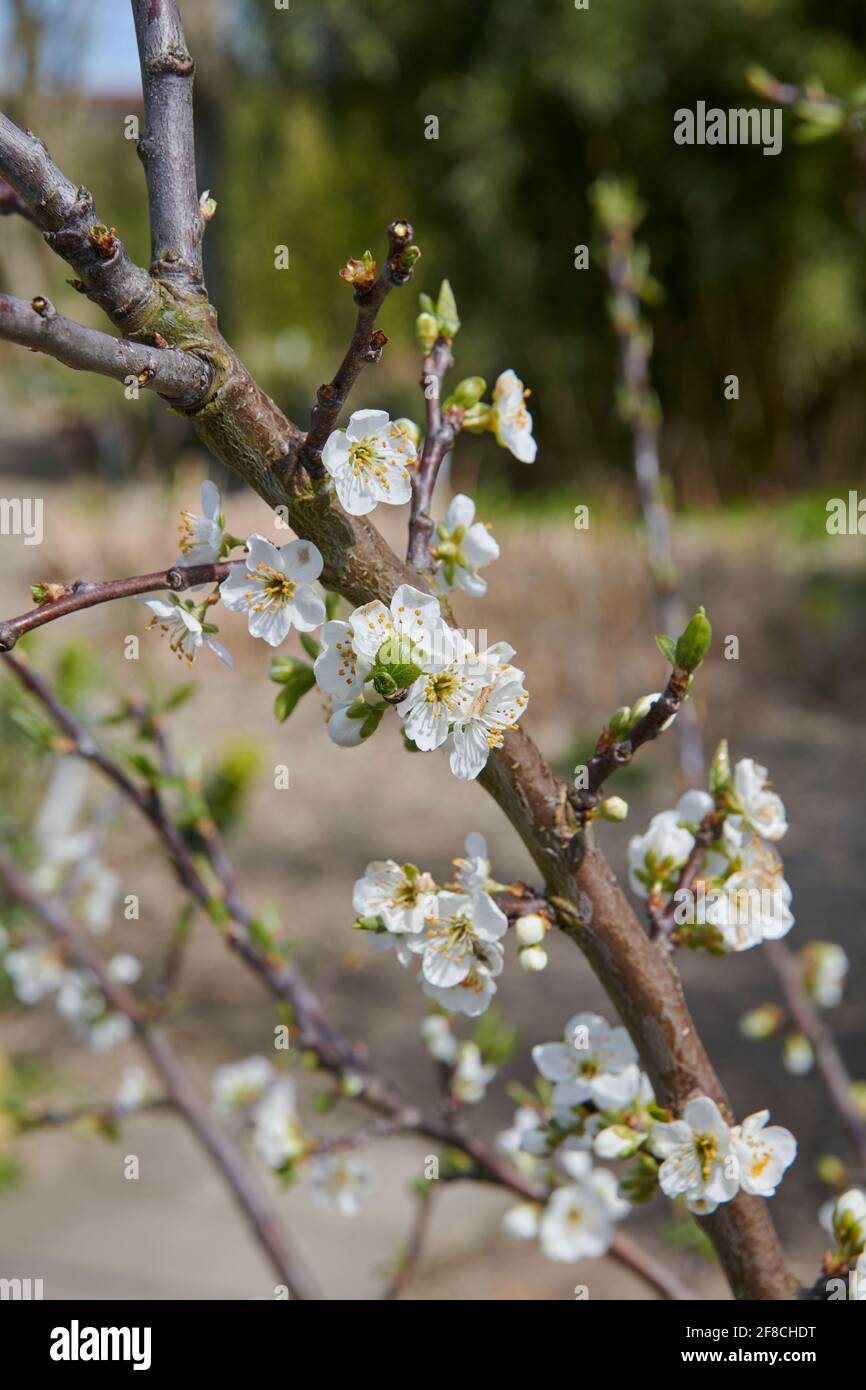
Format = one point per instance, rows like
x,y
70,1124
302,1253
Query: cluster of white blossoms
x,y
37,970
453,934
266,1100
447,694
600,1104
739,892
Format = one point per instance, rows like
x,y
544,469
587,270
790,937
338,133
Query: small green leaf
x,y
668,648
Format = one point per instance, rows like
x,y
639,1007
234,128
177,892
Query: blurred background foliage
x,y
311,128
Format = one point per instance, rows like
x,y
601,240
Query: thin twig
x,y
365,347
167,146
83,593
442,430
827,1054
213,1139
36,324
409,1260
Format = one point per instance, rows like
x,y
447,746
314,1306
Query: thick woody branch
x,y
71,227
212,1138
441,432
365,347
181,377
167,147
83,593
11,205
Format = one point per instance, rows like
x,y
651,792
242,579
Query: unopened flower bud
x,y
761,1022
426,331
798,1057
531,929
694,642
613,808
469,391
533,958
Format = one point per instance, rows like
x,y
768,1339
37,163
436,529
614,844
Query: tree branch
x,y
365,347
181,377
11,205
167,147
334,1051
71,227
441,432
83,593
827,1054
212,1138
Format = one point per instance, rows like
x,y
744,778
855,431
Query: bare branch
x,y
68,219
365,347
827,1054
167,147
212,1137
11,205
181,377
409,1260
83,593
441,433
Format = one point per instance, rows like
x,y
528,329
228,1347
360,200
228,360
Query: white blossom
x,y
798,1056
113,1030
531,929
696,1154
522,1222
577,1164
460,951
825,967
132,1091
274,588
512,422
277,1132
655,857
596,1063
201,536
402,897
473,870
575,1225
754,902
463,548
762,809
533,959
186,633
369,462
339,1180
438,1039
35,972
763,1153
340,672
525,1140
472,1075
238,1085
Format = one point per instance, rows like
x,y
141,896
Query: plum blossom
x,y
201,536
482,723
406,633
655,858
340,672
132,1091
402,897
763,1152
339,1180
35,972
186,633
577,1164
698,1163
596,1063
525,1140
460,951
369,462
754,903
274,587
473,869
238,1085
439,1040
825,966
277,1132
511,420
463,548
472,1075
761,808
521,1222
575,1225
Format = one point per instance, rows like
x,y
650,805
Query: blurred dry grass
x,y
577,608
